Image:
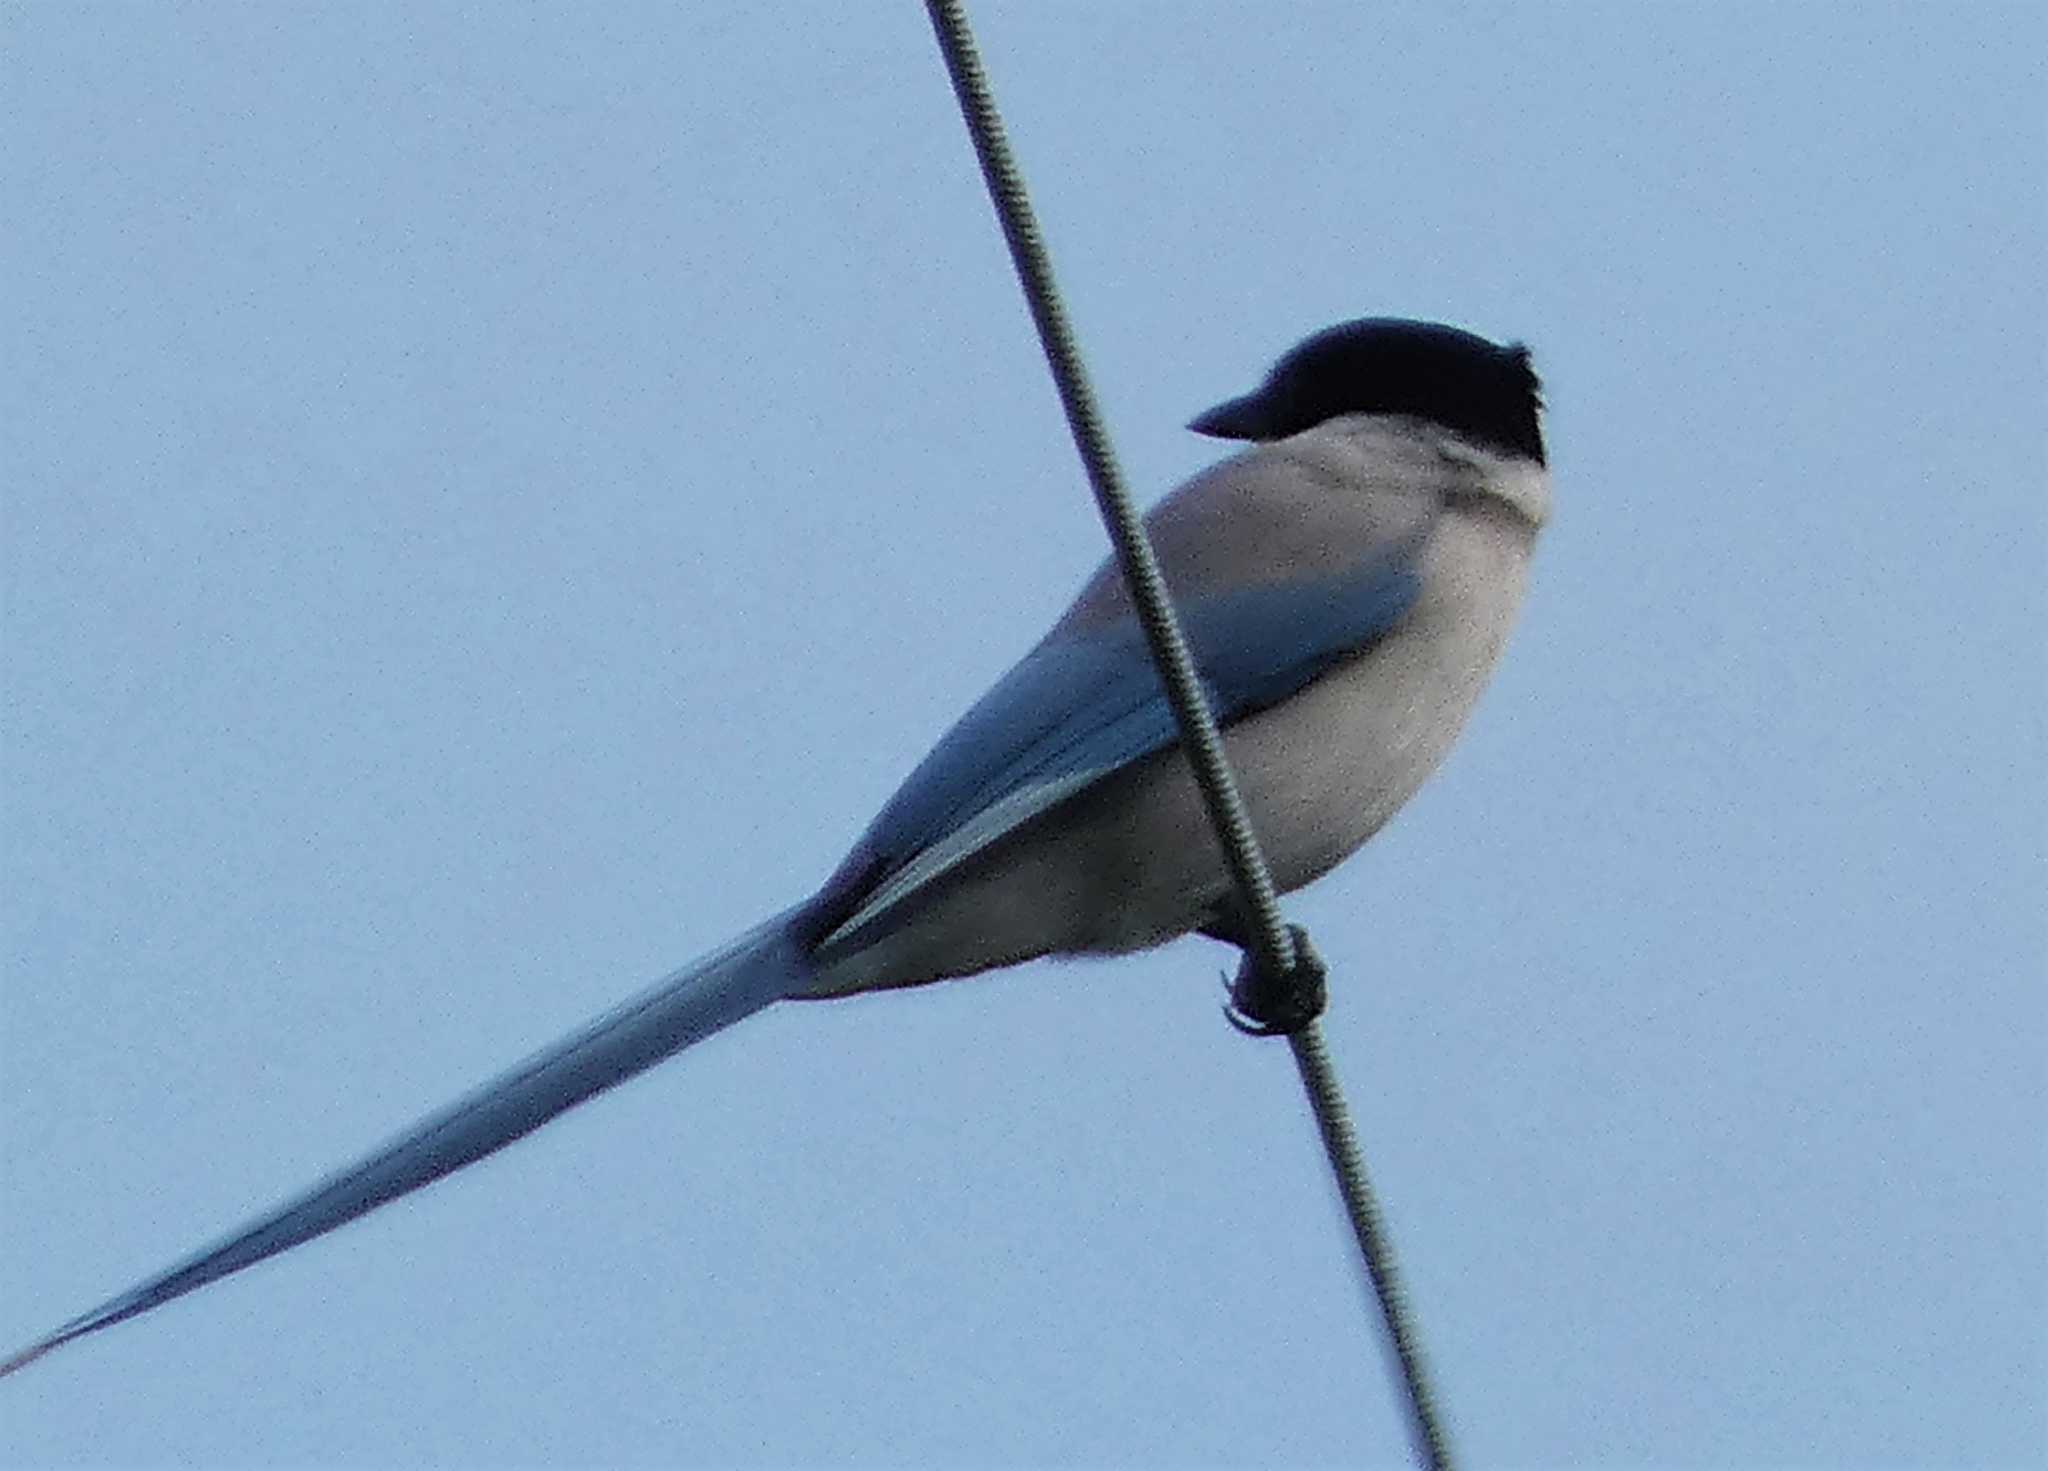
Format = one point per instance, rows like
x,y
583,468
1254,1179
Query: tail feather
x,y
762,966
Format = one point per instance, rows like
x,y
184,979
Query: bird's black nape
x,y
1481,390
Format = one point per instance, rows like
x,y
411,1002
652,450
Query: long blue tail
x,y
762,966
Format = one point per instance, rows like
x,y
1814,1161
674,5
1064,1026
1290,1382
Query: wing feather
x,y
1081,706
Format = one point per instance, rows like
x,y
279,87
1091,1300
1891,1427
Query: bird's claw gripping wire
x,y
1263,1004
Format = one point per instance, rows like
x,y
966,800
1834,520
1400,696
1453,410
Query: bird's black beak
x,y
1239,418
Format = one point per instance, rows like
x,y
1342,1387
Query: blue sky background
x,y
495,498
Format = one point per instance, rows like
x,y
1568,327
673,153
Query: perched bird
x,y
1346,583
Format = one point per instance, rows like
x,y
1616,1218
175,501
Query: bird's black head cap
x,y
1477,389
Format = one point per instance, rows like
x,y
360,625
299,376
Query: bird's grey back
x,y
1134,862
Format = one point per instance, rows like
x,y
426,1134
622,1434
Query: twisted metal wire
x,y
1272,942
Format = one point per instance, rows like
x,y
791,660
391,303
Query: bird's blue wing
x,y
1077,708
